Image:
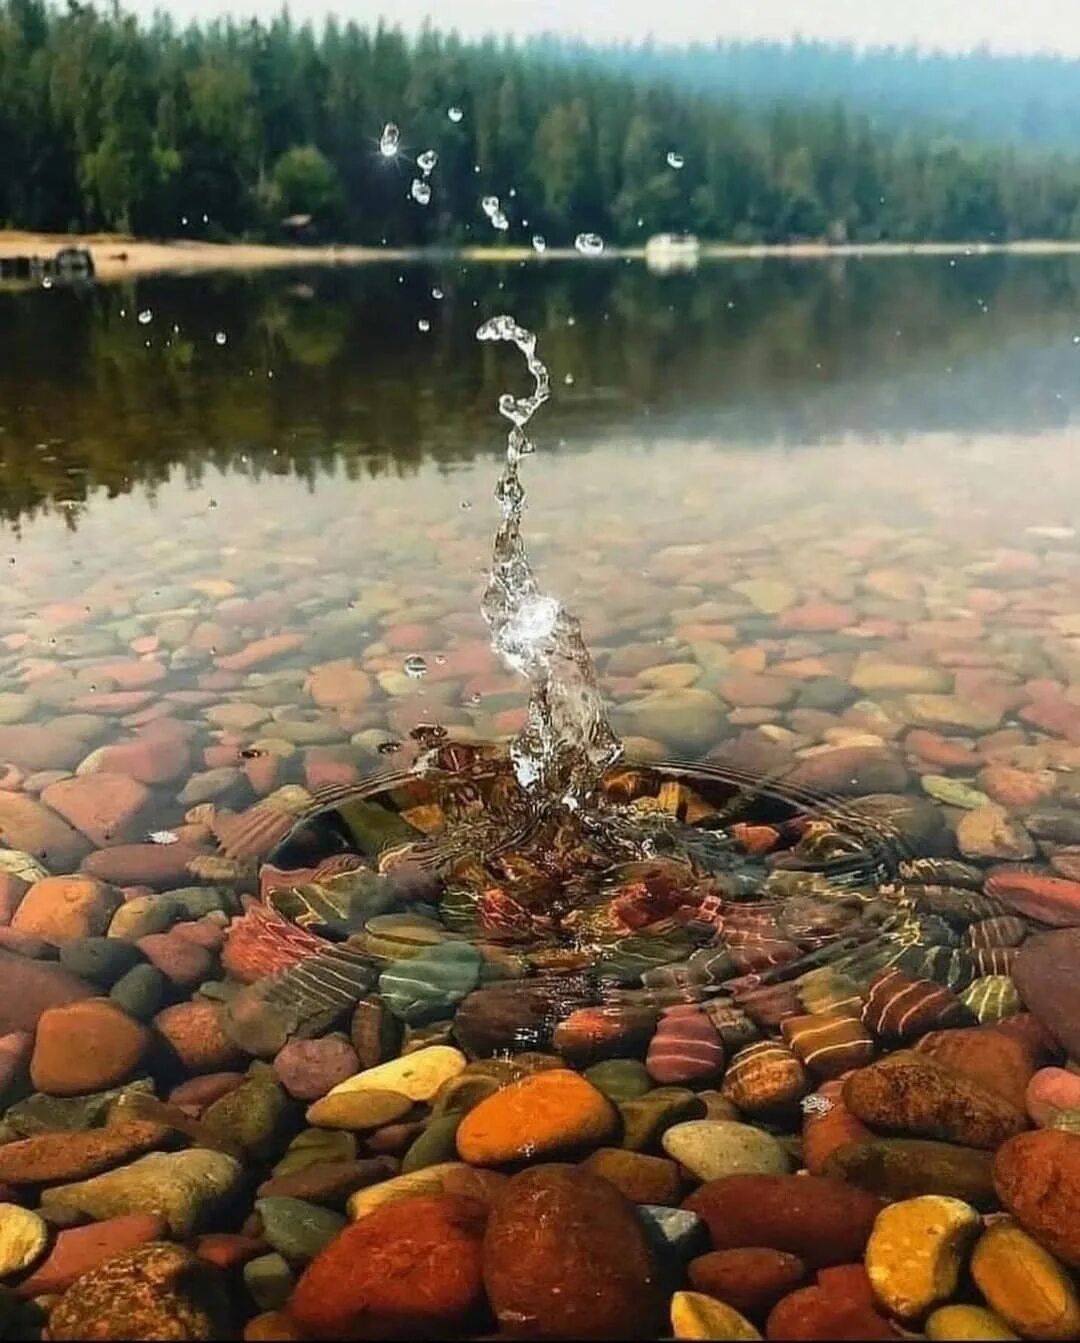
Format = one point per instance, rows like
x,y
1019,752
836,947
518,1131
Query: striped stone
x,y
734,1027
898,1007
765,1076
686,1048
992,998
995,960
828,1043
768,1004
1007,930
752,951
830,990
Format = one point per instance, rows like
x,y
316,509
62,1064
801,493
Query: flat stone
x,y
712,1148
23,1238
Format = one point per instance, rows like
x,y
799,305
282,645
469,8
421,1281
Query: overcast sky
x,y
1005,25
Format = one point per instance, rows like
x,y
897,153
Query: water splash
x,y
589,244
389,141
420,191
426,161
567,742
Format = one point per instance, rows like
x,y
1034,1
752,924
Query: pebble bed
x,y
907,1165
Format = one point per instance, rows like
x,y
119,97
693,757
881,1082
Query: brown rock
x,y
751,1280
195,1033
999,1060
409,1269
850,771
81,1248
640,1178
914,1095
1047,974
61,909
31,988
50,1158
183,962
565,1257
1037,1177
33,828
159,866
106,808
821,1221
156,1291
329,1183
85,1046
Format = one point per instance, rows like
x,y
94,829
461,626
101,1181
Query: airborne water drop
x,y
415,666
589,244
389,141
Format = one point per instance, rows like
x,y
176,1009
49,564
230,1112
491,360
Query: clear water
x,y
812,422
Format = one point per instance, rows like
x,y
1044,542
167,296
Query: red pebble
x,y
685,1048
412,1267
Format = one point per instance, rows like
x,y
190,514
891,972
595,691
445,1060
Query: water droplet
x,y
428,733
675,159
423,324
389,141
420,191
490,206
415,666
220,338
212,504
465,505
569,380
146,317
500,222
440,659
589,244
388,747
183,221
539,242
571,321
455,114
475,697
437,293
426,161
46,282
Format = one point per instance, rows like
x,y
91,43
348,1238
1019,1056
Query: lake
x,y
819,522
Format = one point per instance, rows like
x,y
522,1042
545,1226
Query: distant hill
x,y
1023,100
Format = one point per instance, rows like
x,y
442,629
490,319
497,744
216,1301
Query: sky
x,y
953,25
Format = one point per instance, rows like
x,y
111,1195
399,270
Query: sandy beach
x,y
117,257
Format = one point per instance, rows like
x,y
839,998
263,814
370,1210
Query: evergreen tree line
x,y
225,130
978,95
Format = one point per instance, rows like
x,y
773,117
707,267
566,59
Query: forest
x,y
227,130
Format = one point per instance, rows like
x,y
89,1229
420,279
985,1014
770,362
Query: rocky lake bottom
x,y
195,640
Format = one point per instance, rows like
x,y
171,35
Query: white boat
x,y
672,251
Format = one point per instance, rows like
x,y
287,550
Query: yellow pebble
x,y
418,1075
694,1315
1024,1284
966,1324
916,1251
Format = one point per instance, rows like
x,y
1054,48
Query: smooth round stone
x,y
23,1238
14,707
296,1229
418,1075
1050,1091
1024,1284
269,1281
435,1146
140,992
103,960
713,1148
695,1315
916,1252
358,1111
430,985
953,792
967,1324
620,1079
315,1147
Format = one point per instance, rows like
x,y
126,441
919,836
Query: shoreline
x,y
117,257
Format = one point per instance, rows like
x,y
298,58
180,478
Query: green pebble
x,y
428,986
435,1145
620,1079
296,1229
140,992
269,1281
646,1119
102,960
461,1094
953,792
256,1116
311,1146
